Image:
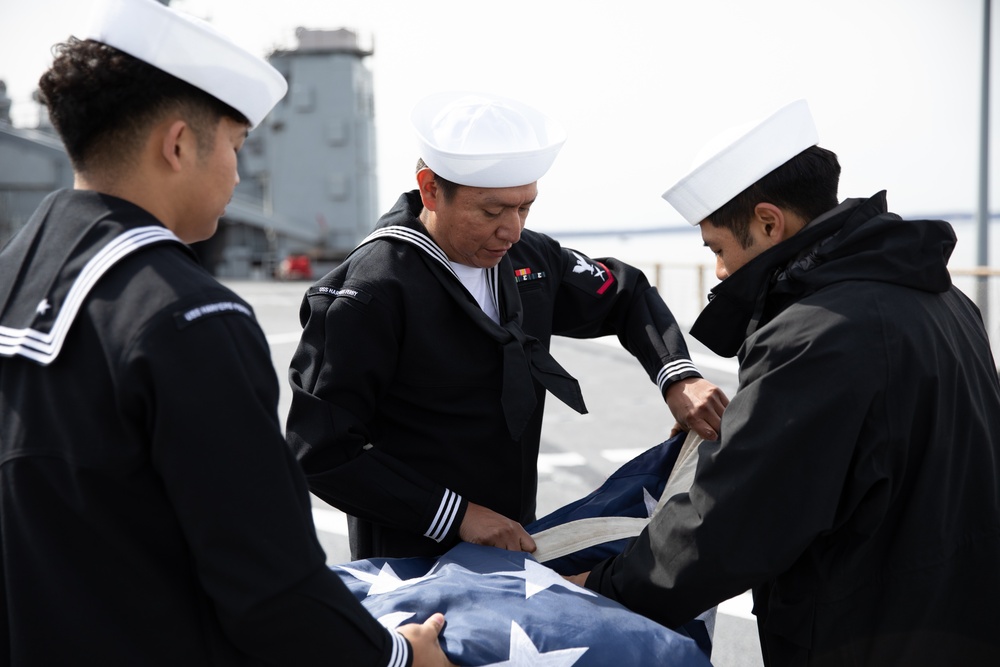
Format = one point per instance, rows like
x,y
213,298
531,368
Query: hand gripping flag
x,y
504,608
575,537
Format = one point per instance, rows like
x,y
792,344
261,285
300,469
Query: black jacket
x,y
398,411
150,512
856,486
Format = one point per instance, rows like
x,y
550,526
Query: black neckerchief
x,y
524,357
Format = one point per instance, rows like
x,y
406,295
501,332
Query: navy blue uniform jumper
x,y
150,511
409,401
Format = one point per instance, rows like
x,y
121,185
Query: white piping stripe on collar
x,y
44,347
413,237
493,280
427,244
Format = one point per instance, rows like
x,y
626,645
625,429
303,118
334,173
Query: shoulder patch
x,y
589,275
197,313
339,292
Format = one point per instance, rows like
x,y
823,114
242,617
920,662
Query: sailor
x,y
420,378
856,485
151,513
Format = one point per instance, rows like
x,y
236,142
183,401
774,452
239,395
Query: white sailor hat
x,y
485,141
740,157
191,50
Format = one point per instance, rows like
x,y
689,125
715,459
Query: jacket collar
x,y
736,304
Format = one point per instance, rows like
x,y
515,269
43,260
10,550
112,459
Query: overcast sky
x,y
641,85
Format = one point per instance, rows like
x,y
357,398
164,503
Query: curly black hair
x,y
102,101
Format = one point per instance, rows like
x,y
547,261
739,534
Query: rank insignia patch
x,y
595,276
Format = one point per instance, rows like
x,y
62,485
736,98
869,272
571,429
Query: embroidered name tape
x,y
337,292
197,313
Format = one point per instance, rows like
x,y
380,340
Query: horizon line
x,y
678,228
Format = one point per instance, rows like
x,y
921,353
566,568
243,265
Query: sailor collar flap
x,y
70,243
525,359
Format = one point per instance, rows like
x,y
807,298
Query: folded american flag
x,y
631,491
505,609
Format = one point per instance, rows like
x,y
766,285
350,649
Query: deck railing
x,y
685,288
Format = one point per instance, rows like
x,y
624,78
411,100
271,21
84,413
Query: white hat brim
x,y
191,50
525,159
743,161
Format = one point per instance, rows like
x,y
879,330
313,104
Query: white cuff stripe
x,y
400,650
445,516
674,368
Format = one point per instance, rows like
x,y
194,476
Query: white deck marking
x,y
330,521
740,606
621,455
548,462
284,338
